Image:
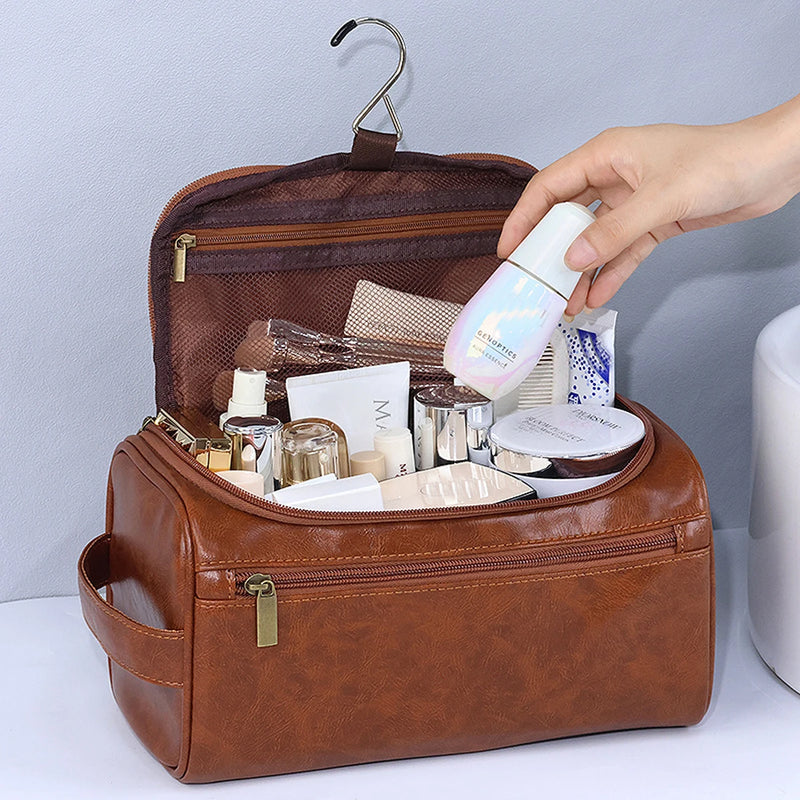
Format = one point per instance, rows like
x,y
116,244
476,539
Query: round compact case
x,y
565,441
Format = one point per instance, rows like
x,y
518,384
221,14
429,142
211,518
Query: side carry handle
x,y
152,654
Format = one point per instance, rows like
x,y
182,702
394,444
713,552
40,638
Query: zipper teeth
x,y
570,554
240,172
489,220
214,177
448,511
492,157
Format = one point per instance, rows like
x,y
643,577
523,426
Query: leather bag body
x,y
399,634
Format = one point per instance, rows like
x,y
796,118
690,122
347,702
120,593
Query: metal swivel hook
x,y
383,91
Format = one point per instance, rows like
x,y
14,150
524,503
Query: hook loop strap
x,y
372,150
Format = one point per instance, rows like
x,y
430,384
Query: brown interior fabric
x,y
198,324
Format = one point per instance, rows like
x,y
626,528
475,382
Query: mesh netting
x,y
215,320
212,313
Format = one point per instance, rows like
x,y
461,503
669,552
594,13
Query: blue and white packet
x,y
590,345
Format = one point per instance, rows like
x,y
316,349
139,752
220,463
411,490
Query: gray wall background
x,y
108,110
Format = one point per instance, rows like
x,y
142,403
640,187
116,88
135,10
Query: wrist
x,y
776,140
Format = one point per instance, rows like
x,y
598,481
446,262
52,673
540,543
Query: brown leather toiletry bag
x,y
398,633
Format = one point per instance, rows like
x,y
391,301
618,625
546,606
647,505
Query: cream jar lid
x,y
567,431
449,396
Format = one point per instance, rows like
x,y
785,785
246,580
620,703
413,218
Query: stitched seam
x,y
177,636
128,668
455,551
149,678
218,604
680,531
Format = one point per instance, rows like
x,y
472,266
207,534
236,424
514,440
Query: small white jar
x,y
503,330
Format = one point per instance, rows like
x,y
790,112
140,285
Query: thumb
x,y
617,229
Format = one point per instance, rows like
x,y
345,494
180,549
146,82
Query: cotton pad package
x,y
590,345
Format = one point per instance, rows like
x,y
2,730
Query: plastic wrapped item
x,y
377,312
590,347
274,344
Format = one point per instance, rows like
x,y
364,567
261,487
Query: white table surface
x,y
61,735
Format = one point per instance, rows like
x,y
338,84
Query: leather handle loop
x,y
373,150
153,654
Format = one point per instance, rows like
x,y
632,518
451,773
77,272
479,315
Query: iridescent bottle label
x,y
502,331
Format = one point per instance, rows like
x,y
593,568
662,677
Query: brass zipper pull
x,y
182,244
263,587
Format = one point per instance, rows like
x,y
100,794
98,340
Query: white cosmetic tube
x,y
460,484
397,447
357,493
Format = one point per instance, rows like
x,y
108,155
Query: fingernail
x,y
580,254
569,317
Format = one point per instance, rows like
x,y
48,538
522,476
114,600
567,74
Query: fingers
x,y
565,179
611,277
577,299
618,230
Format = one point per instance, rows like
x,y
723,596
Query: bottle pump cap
x,y
541,252
249,387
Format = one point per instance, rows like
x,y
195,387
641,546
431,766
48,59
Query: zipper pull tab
x,y
263,587
182,244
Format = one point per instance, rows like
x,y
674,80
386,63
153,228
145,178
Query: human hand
x,y
657,181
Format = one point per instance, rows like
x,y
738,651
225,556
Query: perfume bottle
x,y
504,329
312,448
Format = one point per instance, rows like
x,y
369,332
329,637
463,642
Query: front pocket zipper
x,y
332,232
265,586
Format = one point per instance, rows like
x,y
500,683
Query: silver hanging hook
x,y
383,91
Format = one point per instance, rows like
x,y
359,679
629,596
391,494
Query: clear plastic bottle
x,y
503,330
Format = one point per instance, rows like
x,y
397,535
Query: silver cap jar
x,y
451,424
256,440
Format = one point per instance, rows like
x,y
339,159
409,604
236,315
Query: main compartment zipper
x,y
332,232
265,586
306,515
